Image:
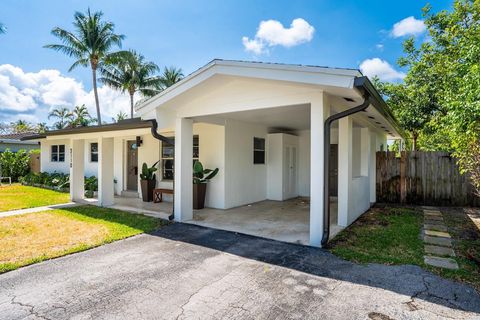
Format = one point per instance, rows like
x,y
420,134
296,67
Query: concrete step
x,y
130,194
439,262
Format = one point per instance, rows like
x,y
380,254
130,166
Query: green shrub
x,y
14,164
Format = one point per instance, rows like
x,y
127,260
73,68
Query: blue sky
x,y
188,34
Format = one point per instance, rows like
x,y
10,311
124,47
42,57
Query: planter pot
x,y
147,189
199,191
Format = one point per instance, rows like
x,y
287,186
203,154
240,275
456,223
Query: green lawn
x,y
20,197
391,236
31,238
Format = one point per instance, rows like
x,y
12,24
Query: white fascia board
x,y
280,72
105,134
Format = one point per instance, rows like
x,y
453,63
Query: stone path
x,y
438,242
37,209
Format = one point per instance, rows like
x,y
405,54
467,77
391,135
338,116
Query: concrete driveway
x,y
190,272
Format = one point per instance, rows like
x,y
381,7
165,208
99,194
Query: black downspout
x,y
158,136
326,163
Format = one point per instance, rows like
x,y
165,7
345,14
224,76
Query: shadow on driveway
x,y
408,280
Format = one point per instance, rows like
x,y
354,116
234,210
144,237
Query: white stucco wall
x,y
46,165
245,182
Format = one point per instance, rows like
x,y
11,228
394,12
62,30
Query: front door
x,y
333,175
132,166
290,172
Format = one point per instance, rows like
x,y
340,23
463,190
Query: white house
x,y
265,126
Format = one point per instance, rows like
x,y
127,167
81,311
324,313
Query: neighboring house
x,y
13,142
261,124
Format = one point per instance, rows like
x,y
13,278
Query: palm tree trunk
x,y
131,105
95,92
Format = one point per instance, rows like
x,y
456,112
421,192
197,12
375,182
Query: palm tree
x,y
129,72
80,117
120,116
170,76
64,116
21,126
41,127
90,43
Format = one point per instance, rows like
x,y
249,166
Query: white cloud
x,y
379,47
272,33
408,26
380,68
31,95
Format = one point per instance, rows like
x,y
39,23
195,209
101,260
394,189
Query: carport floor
x,y
286,221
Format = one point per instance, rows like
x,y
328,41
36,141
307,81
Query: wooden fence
x,y
423,178
34,162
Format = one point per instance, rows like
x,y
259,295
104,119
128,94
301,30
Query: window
x,y
94,152
258,151
168,151
58,153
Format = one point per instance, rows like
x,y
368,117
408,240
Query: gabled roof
x,y
246,65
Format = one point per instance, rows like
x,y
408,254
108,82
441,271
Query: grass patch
x,y
392,236
16,197
387,236
35,237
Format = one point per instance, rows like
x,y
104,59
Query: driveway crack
x,y
31,308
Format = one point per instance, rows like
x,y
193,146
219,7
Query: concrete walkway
x,y
184,271
438,242
38,209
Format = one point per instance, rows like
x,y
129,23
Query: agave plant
x,y
148,173
201,175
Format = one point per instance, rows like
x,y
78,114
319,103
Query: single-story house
x,y
14,142
275,131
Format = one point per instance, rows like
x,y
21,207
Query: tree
x,y
120,116
129,72
63,115
170,76
21,126
89,44
41,127
80,117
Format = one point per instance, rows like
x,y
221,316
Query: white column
x,y
183,169
77,167
373,167
105,172
319,111
344,169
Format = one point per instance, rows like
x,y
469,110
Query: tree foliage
x,y
440,96
90,44
14,164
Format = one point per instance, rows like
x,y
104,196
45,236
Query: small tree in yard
x,y
469,162
14,164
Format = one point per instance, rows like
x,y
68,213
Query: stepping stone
x,y
433,218
445,263
437,234
436,227
444,242
439,251
432,213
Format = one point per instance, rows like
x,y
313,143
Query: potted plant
x,y
148,181
200,178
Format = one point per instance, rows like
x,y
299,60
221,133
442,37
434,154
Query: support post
x,y
183,169
105,172
345,127
77,167
319,111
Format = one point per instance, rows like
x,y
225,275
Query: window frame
x,y
259,150
57,155
165,159
93,152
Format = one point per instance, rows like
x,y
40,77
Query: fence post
x,y
403,178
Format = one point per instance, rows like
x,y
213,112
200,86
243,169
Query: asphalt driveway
x,y
190,272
